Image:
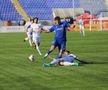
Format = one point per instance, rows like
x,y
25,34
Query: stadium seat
x,y
43,8
8,12
94,6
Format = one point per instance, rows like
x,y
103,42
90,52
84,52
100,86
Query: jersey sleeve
x,y
52,29
32,26
40,26
72,55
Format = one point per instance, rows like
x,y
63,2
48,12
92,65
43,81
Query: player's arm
x,y
25,29
49,30
60,59
25,26
31,30
46,31
71,27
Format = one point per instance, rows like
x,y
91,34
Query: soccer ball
x,y
32,58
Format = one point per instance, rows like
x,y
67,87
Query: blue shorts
x,y
60,44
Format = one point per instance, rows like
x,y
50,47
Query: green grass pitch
x,y
18,73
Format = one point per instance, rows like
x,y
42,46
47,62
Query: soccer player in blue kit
x,y
60,37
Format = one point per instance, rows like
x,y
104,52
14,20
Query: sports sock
x,y
83,32
58,56
38,49
26,38
48,52
30,42
55,61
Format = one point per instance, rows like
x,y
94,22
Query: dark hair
x,y
35,18
31,19
57,18
67,51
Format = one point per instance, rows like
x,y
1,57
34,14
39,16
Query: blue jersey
x,y
60,31
67,58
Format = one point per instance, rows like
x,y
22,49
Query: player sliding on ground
x,y
67,59
28,32
36,30
60,36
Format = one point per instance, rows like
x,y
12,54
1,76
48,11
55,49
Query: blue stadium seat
x,y
8,12
43,8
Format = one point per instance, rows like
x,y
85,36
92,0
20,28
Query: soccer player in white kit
x,y
28,32
36,30
81,26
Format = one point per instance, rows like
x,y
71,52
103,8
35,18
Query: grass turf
x,y
18,73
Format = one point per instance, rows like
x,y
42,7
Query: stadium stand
x,y
20,9
8,11
94,6
43,8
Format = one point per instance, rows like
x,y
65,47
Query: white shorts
x,y
29,35
36,39
81,27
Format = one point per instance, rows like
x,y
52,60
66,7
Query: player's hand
x,y
46,31
50,57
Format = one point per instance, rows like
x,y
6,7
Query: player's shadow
x,y
99,62
92,62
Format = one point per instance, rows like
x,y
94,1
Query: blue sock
x,y
58,56
49,51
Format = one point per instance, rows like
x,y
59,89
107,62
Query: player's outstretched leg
x,y
25,39
30,42
38,49
49,51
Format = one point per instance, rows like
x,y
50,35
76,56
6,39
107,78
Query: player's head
x,y
35,20
66,52
57,20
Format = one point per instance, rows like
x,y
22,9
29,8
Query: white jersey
x,y
28,26
81,22
36,29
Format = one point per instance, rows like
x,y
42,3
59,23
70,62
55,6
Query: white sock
x,y
83,32
30,42
37,47
55,61
46,55
26,38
